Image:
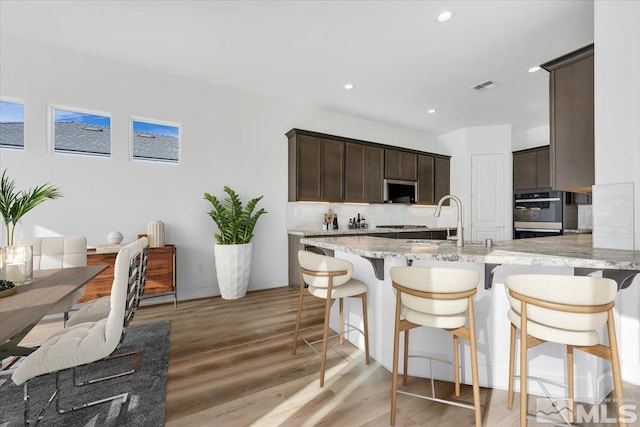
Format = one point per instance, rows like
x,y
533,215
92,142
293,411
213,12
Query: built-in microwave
x,y
397,191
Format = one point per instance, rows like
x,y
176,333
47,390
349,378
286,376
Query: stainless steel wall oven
x,y
538,214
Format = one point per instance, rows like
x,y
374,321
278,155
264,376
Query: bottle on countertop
x,y
358,221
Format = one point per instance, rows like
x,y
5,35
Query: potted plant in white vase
x,y
233,251
14,205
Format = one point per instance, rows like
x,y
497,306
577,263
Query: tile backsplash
x,y
613,216
585,217
309,216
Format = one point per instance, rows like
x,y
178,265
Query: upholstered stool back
x,y
316,262
439,313
561,325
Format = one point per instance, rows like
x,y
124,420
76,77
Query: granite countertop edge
x,y
563,251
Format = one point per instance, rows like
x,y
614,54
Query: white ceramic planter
x,y
233,269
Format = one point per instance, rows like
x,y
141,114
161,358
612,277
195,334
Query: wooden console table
x,y
161,274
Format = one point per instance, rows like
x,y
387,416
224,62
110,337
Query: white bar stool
x,y
566,310
439,298
329,278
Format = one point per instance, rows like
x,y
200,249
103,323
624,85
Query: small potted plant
x,y
233,251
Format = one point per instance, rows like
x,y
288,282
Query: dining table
x,y
20,312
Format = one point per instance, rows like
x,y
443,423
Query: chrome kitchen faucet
x,y
460,236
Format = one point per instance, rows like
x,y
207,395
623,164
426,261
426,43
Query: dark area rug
x,y
146,387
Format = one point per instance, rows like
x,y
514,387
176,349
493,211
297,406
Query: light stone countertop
x,y
561,251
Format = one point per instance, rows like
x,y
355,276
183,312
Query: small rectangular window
x,y
81,132
11,125
155,141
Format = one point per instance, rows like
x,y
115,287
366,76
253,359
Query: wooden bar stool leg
x,y
570,383
615,363
405,367
474,364
396,349
523,365
365,322
298,316
456,363
512,365
325,334
341,320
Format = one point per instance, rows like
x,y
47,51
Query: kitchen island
x,y
566,255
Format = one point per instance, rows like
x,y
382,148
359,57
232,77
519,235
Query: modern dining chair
x,y
567,310
329,278
97,309
89,342
59,252
439,298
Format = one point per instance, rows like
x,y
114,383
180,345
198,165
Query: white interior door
x,y
488,197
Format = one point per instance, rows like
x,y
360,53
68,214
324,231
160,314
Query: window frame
x,y
51,143
21,102
132,132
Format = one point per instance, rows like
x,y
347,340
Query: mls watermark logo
x,y
564,412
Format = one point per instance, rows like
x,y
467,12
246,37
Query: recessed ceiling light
x,y
349,86
445,16
534,69
431,111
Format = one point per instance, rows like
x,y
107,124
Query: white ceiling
x,y
402,61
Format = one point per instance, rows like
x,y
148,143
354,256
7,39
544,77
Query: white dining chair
x,y
89,342
97,309
59,252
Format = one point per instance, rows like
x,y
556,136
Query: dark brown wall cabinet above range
x,y
433,178
531,169
400,164
571,120
328,168
363,173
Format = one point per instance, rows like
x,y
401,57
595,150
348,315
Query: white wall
x,y
617,143
228,138
617,100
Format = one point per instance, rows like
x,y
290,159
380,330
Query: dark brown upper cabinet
x,y
328,168
531,169
442,178
400,164
363,173
571,120
426,179
433,179
316,169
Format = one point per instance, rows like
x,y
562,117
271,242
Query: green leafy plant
x,y
235,223
15,204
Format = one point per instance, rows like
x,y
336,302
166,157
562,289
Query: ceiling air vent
x,y
484,86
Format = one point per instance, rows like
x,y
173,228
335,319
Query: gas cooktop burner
x,y
402,226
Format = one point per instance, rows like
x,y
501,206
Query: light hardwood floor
x,y
230,364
